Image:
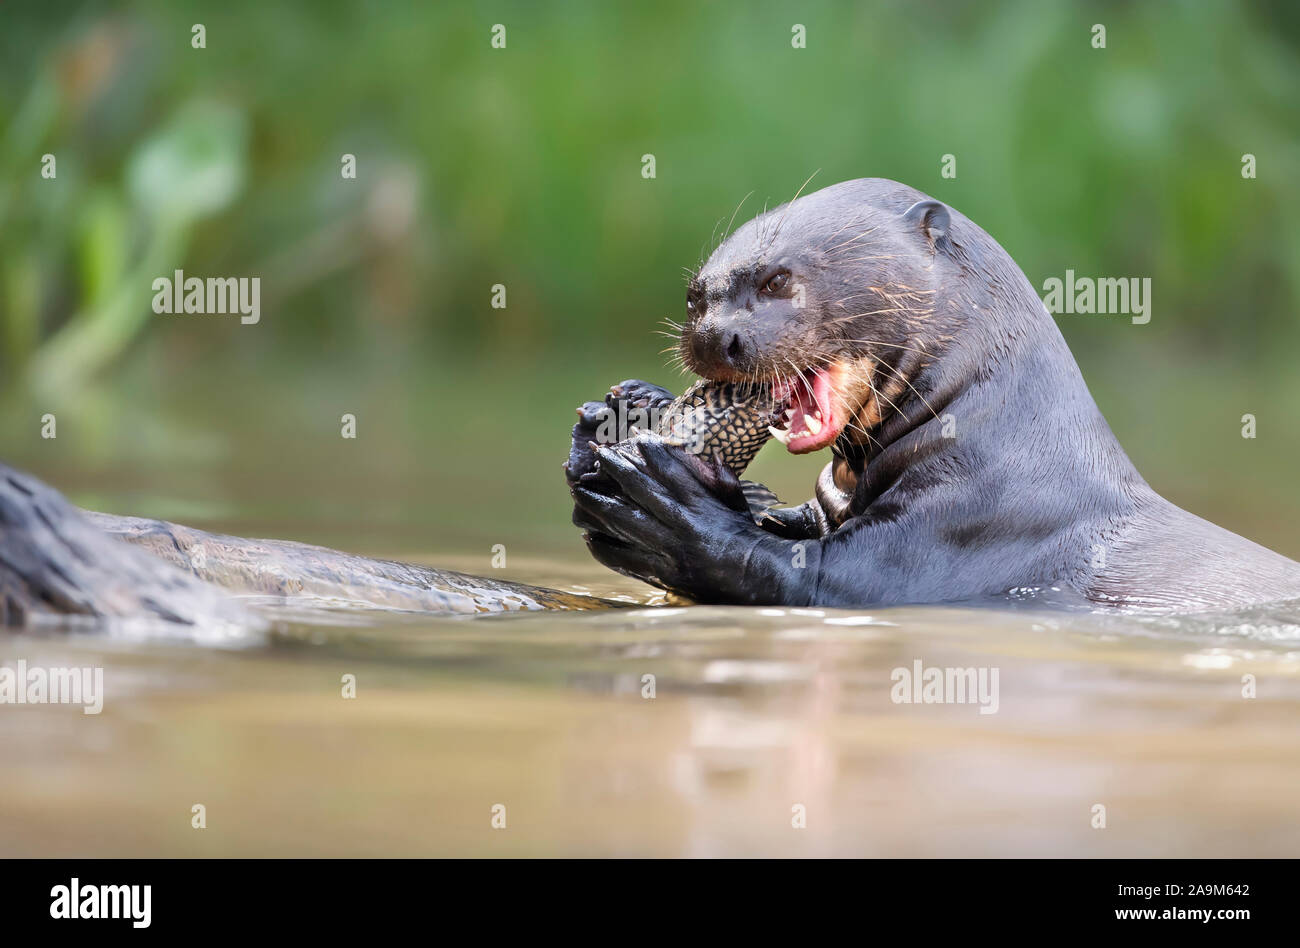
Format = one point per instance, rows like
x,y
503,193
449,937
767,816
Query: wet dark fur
x,y
937,321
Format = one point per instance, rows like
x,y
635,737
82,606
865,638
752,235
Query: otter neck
x,y
961,395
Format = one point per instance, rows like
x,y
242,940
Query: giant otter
x,y
969,458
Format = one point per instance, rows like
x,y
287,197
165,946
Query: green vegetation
x,y
478,166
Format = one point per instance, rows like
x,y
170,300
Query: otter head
x,y
829,300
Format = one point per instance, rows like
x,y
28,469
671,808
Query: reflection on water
x,y
755,712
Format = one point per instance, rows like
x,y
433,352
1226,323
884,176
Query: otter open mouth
x,y
809,413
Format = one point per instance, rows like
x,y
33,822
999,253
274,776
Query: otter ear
x,y
931,217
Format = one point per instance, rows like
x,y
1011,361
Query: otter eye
x,y
776,283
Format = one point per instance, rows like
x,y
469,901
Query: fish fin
x,y
760,498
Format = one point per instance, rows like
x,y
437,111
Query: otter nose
x,y
735,350
720,350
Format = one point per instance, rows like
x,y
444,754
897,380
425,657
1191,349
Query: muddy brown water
x,y
760,719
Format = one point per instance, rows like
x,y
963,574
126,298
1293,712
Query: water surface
x,y
756,712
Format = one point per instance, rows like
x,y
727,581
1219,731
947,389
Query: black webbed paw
x,y
638,394
629,405
672,520
582,460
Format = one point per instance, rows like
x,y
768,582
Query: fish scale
x,y
728,421
720,419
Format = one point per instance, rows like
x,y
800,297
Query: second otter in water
x,y
969,458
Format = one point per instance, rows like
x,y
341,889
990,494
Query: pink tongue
x,y
805,404
821,390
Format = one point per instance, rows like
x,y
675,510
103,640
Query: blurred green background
x,y
522,166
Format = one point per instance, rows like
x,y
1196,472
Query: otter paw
x,y
628,405
582,460
638,394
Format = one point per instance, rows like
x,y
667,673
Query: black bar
x,y
652,897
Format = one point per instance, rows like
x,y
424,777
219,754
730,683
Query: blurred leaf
x,y
66,363
19,311
102,251
194,166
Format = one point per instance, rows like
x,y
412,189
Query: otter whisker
x,y
869,230
880,394
727,232
870,312
876,256
887,345
866,434
839,230
904,379
713,235
777,230
803,378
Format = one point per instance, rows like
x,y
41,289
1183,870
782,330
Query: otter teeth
x,y
814,423
780,434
